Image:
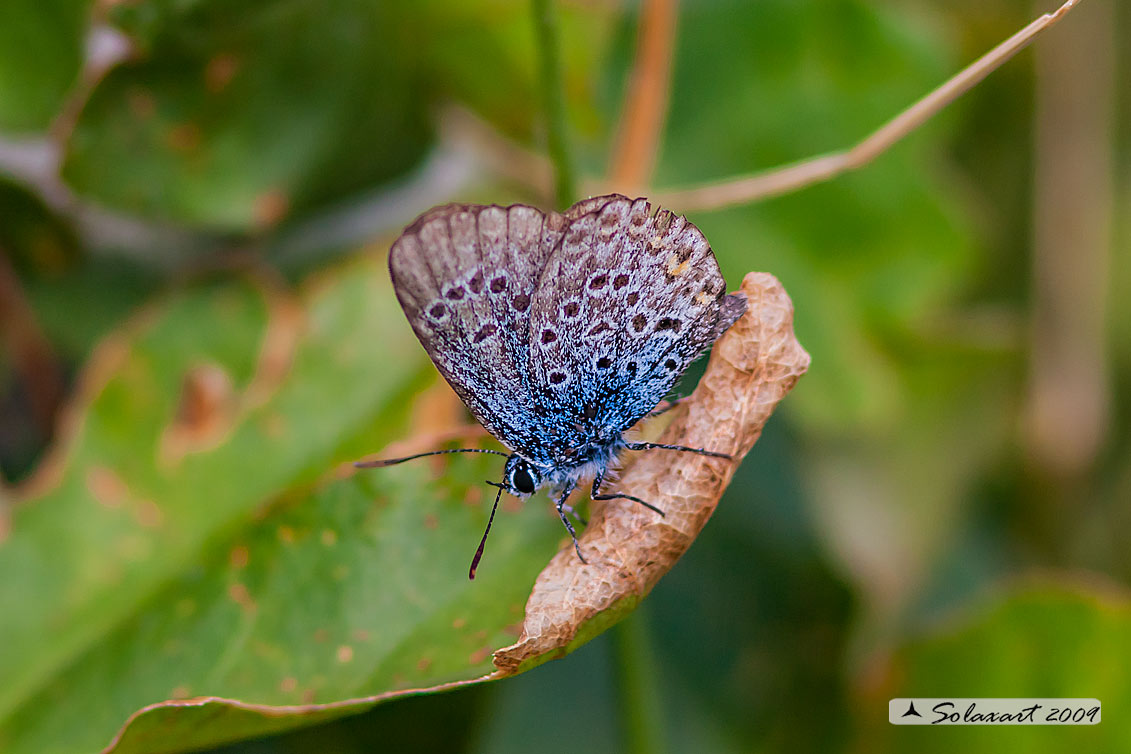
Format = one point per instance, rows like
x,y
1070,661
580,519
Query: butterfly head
x,y
521,477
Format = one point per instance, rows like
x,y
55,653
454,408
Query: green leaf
x,y
41,49
199,538
235,118
1045,640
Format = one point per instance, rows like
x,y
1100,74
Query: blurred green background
x,y
198,331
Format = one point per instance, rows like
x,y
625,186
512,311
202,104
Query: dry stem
x,y
817,169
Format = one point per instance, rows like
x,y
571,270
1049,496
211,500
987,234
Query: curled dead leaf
x,y
628,547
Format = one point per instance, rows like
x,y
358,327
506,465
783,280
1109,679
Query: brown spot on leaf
x,y
423,664
180,692
106,487
344,653
270,208
184,137
239,594
220,71
205,410
288,684
459,623
239,557
628,547
431,522
148,514
480,655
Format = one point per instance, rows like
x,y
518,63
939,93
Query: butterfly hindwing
x,y
626,302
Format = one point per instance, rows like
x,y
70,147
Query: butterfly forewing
x,y
465,276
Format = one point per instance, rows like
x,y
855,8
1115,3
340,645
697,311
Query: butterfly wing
x,y
465,276
627,300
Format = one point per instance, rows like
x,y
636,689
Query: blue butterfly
x,y
560,331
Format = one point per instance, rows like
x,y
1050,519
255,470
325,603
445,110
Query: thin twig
x,y
550,82
646,98
814,170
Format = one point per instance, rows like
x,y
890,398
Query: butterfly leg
x,y
561,506
570,510
660,446
595,494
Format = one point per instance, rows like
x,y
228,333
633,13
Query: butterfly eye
x,y
522,480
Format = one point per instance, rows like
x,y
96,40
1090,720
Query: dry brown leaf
x,y
629,547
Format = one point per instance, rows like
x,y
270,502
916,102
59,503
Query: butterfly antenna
x,y
394,461
483,542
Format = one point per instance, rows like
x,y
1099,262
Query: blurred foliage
x,y
41,49
190,533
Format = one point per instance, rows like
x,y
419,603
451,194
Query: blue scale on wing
x,y
567,330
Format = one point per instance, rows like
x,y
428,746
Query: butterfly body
x,y
560,331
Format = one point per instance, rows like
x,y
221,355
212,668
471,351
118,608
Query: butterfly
x,y
560,331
